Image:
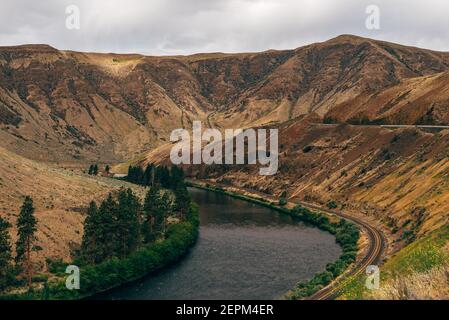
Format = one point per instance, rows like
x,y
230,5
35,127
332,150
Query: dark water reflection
x,y
244,252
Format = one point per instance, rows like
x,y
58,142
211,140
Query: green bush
x,y
282,202
40,278
56,266
332,204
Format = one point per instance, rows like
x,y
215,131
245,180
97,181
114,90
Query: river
x,y
244,251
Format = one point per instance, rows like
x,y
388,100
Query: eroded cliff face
x,y
398,176
69,106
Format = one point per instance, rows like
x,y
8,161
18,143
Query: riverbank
x,y
346,233
115,272
420,271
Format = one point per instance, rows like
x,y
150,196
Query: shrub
x,y
331,204
282,202
307,149
56,265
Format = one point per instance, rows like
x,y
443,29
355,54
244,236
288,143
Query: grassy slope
x,y
419,271
59,197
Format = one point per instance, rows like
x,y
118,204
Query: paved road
x,y
388,126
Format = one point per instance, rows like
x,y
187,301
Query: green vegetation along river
x,y
244,251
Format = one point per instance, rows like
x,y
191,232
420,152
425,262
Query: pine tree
x,y
177,176
91,169
150,211
165,208
95,170
130,176
182,200
148,176
5,254
26,226
165,177
90,241
106,241
127,222
107,169
135,175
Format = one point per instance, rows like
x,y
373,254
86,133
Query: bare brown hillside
x,y
400,177
60,197
421,100
71,106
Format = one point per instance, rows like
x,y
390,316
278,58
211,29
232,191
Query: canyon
x,y
62,110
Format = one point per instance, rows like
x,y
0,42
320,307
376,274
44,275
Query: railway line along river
x,y
244,251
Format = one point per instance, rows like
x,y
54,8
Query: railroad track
x,y
372,257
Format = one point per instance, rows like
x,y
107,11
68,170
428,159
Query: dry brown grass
x,y
60,198
430,285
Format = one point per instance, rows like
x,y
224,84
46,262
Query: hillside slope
x,y
422,100
60,197
70,106
418,272
399,176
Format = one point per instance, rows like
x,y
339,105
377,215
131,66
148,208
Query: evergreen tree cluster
x,y
111,229
117,228
156,176
122,224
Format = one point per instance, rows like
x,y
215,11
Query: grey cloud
x,y
189,26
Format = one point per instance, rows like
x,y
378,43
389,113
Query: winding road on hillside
x,y
387,126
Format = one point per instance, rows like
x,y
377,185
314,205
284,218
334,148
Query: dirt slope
x,y
421,100
70,106
399,176
60,197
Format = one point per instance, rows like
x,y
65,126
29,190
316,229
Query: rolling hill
x,y
64,106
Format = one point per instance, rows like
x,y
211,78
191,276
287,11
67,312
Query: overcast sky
x,y
161,27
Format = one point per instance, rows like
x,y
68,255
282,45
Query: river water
x,y
244,251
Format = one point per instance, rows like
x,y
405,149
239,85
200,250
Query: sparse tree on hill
x,y
107,169
95,170
26,226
